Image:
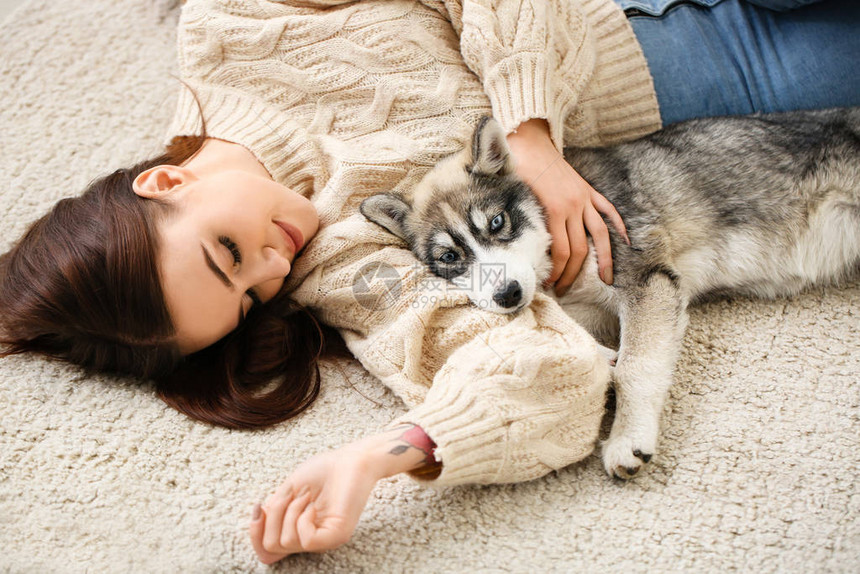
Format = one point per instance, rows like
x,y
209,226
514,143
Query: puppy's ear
x,y
387,210
490,151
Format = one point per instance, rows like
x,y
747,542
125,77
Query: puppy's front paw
x,y
623,458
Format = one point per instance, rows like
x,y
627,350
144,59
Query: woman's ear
x,y
160,181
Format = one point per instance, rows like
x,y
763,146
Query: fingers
x,y
290,540
273,527
297,531
333,533
570,261
276,508
560,250
257,530
603,205
600,236
578,251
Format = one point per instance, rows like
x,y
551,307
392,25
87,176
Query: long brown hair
x,y
82,285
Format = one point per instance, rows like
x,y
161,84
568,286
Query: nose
x,y
275,264
509,296
268,277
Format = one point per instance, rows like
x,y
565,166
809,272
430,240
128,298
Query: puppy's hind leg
x,y
653,319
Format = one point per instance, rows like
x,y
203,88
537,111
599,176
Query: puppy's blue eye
x,y
448,257
497,222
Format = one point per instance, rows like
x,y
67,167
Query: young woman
x,y
184,268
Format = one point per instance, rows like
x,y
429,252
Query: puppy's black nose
x,y
510,296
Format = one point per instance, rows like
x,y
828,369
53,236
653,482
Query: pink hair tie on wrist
x,y
417,437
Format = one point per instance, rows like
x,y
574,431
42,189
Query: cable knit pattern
x,y
342,100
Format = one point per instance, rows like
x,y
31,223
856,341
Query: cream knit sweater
x,y
341,100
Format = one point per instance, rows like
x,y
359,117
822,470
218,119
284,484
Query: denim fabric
x,y
783,5
658,7
733,57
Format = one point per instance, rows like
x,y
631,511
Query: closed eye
x,y
237,260
232,247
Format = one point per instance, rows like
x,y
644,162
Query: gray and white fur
x,y
762,205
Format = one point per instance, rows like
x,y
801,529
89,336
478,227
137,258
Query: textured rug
x,y
760,453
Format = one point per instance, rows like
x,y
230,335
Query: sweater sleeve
x,y
505,398
528,54
574,63
516,402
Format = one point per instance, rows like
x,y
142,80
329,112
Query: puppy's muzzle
x,y
509,295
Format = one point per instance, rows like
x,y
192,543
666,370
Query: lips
x,y
292,237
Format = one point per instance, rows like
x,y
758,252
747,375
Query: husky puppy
x,y
759,205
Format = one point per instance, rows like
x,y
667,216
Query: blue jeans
x,y
729,57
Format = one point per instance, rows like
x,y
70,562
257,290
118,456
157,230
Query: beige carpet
x,y
758,470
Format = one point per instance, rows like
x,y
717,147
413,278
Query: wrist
x,y
405,448
530,133
532,149
534,126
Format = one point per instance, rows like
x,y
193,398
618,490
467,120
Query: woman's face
x,y
228,245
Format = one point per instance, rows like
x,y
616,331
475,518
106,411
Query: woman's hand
x,y
571,204
318,507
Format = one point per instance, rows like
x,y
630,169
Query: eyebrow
x,y
221,275
215,269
